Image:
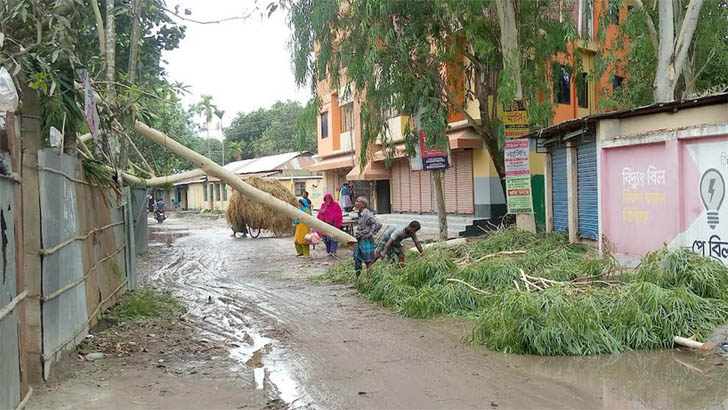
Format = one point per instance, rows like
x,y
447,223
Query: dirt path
x,y
296,344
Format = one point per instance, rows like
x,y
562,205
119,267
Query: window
x,y
212,192
324,125
617,82
299,188
204,192
224,192
563,87
347,117
217,192
584,91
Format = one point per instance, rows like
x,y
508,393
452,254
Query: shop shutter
x,y
416,191
464,174
426,184
560,189
396,187
451,189
587,190
405,174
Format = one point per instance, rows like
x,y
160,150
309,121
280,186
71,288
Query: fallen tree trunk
x,y
445,244
211,168
159,181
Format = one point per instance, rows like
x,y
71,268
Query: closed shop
x,y
414,191
587,188
560,189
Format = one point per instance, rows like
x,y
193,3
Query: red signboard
x,y
432,157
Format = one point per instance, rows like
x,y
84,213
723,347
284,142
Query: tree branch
x,y
650,24
245,17
452,101
99,27
685,37
707,61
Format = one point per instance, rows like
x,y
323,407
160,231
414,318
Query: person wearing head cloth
x,y
299,239
331,214
368,226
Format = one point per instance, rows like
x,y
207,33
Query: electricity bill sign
x,y
518,177
433,158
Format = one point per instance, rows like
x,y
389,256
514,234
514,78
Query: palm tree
x,y
206,108
237,147
219,114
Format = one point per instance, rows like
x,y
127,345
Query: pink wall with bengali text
x,y
639,194
651,195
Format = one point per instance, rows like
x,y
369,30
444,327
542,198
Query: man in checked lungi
x,y
368,226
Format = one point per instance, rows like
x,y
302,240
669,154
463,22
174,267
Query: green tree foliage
x,y
44,43
284,127
395,53
703,72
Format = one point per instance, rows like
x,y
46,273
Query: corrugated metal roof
x,y
582,122
262,164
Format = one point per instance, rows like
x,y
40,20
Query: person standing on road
x,y
302,248
345,197
331,214
306,199
391,242
368,226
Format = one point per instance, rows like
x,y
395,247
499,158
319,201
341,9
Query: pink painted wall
x,y
651,195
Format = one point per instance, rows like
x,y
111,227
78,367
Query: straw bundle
x,y
241,210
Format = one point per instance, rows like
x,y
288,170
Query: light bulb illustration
x,y
712,192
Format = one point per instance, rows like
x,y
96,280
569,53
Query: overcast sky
x,y
244,65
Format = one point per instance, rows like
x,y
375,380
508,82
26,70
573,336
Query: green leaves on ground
x,y
591,307
143,304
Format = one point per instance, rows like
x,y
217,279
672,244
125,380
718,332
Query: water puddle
x,y
660,379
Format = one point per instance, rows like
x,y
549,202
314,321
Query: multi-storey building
x,y
472,186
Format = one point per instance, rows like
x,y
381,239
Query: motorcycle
x,y
159,216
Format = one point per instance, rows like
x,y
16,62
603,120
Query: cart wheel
x,y
254,233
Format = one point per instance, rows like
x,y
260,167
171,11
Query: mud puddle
x,y
668,379
222,311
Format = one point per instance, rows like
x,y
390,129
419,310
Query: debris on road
x,y
555,299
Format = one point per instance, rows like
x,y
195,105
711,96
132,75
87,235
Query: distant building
x,y
293,169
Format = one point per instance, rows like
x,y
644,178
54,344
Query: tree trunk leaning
x,y
440,199
264,198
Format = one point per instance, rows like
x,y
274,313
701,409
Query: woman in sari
x,y
302,248
331,214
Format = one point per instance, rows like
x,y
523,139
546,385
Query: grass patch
x,y
574,304
145,304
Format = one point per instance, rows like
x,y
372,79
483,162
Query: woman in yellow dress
x,y
302,248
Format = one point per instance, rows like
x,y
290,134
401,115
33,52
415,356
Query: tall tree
x,y
671,52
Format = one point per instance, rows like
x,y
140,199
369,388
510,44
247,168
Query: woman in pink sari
x,y
331,214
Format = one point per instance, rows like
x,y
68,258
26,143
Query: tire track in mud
x,y
231,314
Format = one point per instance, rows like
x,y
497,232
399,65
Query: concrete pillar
x,y
548,173
573,191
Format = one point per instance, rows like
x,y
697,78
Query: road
x,y
321,346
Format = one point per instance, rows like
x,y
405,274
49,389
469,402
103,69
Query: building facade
x,y
292,169
631,181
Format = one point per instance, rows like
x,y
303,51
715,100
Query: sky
x,y
243,64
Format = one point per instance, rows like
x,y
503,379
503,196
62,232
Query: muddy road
x,y
321,346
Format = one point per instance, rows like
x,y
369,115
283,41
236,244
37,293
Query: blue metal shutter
x,y
560,190
587,185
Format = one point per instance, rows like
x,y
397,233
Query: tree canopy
x,y
284,127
